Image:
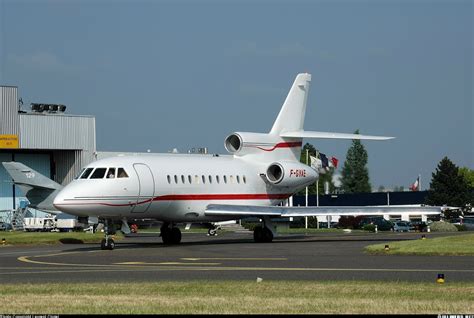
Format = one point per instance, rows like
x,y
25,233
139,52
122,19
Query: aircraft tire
x,y
166,235
262,235
267,235
258,234
175,235
104,245
212,232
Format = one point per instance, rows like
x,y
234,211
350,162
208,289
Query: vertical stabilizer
x,y
291,116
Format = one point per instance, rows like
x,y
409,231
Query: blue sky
x,y
180,74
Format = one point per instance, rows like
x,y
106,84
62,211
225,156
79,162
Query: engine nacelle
x,y
290,174
271,147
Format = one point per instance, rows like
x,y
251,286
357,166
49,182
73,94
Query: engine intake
x,y
290,174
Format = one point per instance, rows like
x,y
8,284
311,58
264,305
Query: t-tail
x,y
285,138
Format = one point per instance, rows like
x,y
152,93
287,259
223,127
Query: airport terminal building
x,y
46,138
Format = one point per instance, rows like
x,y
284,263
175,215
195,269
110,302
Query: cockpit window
x,y
87,173
111,173
99,173
79,174
122,173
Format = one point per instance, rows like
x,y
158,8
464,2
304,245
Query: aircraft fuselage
x,y
170,187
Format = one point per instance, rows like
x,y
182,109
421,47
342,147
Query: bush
x,y
369,227
461,227
443,227
350,222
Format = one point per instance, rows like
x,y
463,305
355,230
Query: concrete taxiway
x,y
325,256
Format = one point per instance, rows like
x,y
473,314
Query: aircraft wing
x,y
284,211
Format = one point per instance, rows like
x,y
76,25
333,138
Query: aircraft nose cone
x,y
58,202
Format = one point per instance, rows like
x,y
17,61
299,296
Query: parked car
x,y
382,224
468,223
419,226
402,226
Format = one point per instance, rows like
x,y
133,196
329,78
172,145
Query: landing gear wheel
x,y
262,235
212,232
175,235
107,244
171,235
165,235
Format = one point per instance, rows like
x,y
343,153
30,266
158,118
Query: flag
x,y
324,160
415,186
315,163
334,162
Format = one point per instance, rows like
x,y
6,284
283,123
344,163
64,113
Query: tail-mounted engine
x,y
270,147
290,174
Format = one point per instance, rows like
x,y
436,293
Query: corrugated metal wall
x,y
68,164
6,189
9,122
47,131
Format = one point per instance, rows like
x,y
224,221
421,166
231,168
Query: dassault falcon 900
x,y
262,170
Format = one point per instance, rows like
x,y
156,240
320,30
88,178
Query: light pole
x,y
306,218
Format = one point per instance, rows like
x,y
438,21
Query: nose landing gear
x,y
108,243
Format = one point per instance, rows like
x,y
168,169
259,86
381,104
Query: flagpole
x,y
419,182
306,218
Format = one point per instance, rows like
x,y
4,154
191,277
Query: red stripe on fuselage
x,y
196,197
193,197
283,145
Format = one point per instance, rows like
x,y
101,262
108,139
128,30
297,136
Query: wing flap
x,y
279,211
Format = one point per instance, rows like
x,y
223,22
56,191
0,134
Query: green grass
x,y
239,297
448,245
35,238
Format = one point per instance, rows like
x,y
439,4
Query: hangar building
x,y
47,139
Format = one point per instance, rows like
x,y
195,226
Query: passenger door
x,y
146,188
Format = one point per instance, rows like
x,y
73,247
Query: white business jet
x,y
262,170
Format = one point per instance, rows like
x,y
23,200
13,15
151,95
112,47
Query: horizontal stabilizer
x,y
330,135
282,211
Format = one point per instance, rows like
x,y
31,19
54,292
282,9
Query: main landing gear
x,y
108,243
264,233
170,235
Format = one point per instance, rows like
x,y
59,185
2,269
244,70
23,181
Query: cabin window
x,y
225,179
169,178
244,179
111,173
203,179
87,173
98,173
122,173
82,170
210,179
217,179
196,179
182,179
231,178
175,179
238,179
190,179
